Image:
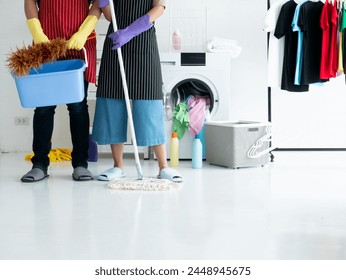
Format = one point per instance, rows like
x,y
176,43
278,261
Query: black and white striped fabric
x,y
141,58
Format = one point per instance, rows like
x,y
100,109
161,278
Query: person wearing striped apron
x,y
75,21
137,36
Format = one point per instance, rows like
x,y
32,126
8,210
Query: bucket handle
x,y
85,57
253,151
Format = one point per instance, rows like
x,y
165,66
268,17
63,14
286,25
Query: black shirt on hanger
x,y
284,28
309,23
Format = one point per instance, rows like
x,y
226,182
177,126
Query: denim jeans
x,y
43,124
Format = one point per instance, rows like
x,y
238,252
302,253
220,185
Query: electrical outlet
x,y
21,121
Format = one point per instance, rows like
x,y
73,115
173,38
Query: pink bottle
x,y
176,40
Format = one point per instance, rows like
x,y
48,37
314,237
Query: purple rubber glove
x,y
122,36
103,3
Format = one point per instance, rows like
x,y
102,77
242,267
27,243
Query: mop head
x,y
146,184
22,60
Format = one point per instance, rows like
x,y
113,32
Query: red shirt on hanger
x,y
329,52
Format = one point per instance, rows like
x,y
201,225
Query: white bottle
x,y
197,152
174,150
176,40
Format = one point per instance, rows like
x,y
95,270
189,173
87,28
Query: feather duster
x,y
22,60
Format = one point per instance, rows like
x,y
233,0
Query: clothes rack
x,y
269,94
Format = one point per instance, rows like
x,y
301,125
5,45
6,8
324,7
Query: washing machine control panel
x,y
193,59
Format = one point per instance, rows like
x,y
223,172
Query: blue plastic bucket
x,y
59,82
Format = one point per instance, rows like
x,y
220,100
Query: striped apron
x,y
141,58
61,19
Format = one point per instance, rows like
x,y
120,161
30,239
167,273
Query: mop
x,y
139,183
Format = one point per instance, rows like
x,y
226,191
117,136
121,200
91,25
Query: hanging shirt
x,y
276,46
341,39
296,28
335,39
324,22
61,19
309,23
342,29
284,28
329,51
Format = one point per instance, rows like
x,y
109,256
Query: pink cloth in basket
x,y
197,106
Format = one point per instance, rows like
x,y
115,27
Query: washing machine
x,y
206,74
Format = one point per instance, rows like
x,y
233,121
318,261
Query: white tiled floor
x,y
294,208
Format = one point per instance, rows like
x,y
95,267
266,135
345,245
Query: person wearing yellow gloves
x,y
75,21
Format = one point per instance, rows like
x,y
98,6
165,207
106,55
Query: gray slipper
x,y
82,174
34,175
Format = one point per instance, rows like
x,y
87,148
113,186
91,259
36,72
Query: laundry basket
x,y
228,143
59,82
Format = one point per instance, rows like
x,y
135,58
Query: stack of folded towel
x,y
217,44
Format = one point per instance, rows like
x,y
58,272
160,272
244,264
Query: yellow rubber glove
x,y
77,41
36,31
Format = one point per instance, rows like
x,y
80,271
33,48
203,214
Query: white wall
x,y
240,20
14,33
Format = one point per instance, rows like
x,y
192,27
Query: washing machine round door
x,y
182,90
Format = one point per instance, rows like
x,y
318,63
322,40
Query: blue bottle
x,y
93,151
197,151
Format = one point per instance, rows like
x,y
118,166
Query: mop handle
x,y
127,99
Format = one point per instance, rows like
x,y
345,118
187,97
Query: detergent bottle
x,y
174,150
197,150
